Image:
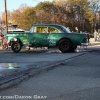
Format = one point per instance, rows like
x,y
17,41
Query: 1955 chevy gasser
x,y
46,35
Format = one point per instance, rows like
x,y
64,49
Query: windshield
x,y
33,29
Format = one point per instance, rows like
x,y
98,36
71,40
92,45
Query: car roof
x,y
48,25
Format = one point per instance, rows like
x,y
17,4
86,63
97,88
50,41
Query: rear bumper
x,y
85,44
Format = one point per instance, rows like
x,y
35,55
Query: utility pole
x,y
6,22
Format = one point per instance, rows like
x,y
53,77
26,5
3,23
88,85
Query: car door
x,y
40,38
54,36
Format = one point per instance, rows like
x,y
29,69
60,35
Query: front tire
x,y
65,46
16,47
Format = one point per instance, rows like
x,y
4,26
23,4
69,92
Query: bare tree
x,y
95,6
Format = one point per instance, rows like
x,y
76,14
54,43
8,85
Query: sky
x,y
15,4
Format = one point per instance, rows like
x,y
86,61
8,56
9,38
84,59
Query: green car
x,y
46,35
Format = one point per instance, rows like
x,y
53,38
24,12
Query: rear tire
x,y
65,46
73,48
16,47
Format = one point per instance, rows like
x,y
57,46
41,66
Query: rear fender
x,y
62,39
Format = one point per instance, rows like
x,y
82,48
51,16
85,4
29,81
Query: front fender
x,y
14,40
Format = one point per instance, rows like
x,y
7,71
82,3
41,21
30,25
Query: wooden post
x,y
6,22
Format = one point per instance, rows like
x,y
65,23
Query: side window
x,y
42,30
52,30
35,29
38,30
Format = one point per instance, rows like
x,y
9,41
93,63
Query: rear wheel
x,y
65,46
16,46
73,48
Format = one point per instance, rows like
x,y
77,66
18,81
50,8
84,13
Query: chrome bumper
x,y
85,44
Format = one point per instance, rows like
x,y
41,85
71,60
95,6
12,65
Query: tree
x,y
95,7
43,12
23,16
83,14
70,13
59,12
16,16
28,18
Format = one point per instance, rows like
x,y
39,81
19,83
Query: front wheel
x,y
65,46
16,46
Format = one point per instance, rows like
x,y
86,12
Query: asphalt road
x,y
74,79
10,61
15,67
34,55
